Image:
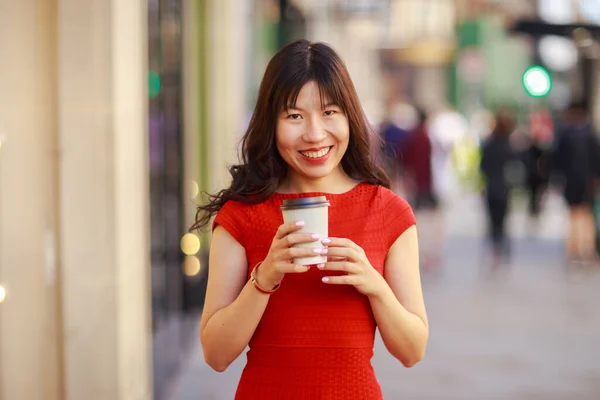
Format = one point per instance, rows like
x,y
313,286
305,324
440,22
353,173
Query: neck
x,y
336,182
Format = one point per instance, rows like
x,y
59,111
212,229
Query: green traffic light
x,y
537,81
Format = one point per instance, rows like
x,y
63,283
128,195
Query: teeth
x,y
316,154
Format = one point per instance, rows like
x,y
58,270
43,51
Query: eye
x,y
329,113
294,116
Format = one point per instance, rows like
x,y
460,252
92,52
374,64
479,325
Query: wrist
x,y
381,290
265,278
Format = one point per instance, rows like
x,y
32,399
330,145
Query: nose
x,y
315,131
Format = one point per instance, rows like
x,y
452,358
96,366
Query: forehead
x,y
311,94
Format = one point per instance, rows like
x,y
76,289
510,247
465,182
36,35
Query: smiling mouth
x,y
316,154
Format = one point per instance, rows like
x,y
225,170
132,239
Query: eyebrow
x,y
301,109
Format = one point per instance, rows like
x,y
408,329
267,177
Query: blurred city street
x,y
530,332
124,129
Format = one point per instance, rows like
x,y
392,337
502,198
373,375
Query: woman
x,y
310,329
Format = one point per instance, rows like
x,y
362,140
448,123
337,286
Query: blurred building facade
x,y
75,322
115,117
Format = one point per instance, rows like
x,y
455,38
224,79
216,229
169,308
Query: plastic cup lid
x,y
305,202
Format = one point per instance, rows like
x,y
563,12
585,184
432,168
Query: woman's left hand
x,y
346,256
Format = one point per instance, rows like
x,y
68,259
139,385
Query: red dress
x,y
315,341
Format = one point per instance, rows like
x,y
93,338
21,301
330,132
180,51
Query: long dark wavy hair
x,y
262,168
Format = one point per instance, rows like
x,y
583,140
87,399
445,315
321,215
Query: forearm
x,y
229,330
404,334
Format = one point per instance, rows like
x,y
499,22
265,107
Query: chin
x,y
317,172
316,177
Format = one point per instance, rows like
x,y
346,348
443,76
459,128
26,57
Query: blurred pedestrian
x,y
577,158
310,329
496,160
417,165
536,158
536,163
394,133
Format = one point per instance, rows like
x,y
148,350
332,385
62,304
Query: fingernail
x,y
315,236
325,279
318,251
323,251
320,266
325,241
299,223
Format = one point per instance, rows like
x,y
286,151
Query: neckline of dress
x,y
311,194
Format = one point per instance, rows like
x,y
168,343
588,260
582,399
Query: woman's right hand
x,y
279,260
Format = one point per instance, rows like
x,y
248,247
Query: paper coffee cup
x,y
314,211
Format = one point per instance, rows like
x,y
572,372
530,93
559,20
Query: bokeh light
x,y
2,294
190,244
556,11
194,189
191,266
558,53
537,81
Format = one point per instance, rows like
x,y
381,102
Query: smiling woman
x,y
263,168
310,329
312,140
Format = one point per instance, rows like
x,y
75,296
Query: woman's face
x,y
312,140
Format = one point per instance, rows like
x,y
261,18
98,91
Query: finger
x,y
343,266
341,242
340,280
289,268
288,227
343,252
297,238
295,252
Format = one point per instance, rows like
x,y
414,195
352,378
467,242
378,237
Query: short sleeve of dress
x,y
234,217
398,216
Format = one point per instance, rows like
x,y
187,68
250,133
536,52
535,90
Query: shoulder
x,y
370,193
384,192
233,209
243,212
392,201
398,215
234,206
234,217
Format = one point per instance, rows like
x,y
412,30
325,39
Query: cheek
x,y
287,136
284,143
341,131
